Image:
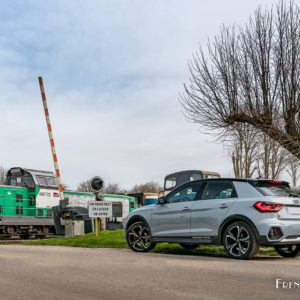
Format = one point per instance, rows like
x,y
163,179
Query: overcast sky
x,y
112,72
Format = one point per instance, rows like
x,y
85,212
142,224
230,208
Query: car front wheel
x,y
288,250
239,241
138,237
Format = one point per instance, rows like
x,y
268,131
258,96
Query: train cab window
x,y
12,181
50,180
42,180
170,182
27,181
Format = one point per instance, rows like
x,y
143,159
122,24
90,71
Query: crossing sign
x,y
100,209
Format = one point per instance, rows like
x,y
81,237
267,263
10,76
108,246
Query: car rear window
x,y
274,188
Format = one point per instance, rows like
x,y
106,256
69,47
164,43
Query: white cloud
x,y
112,73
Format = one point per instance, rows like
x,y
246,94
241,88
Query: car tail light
x,y
267,207
276,182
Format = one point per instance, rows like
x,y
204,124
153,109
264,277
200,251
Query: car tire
x,y
189,246
288,250
138,237
239,241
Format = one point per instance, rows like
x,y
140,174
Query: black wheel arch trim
x,y
136,218
237,218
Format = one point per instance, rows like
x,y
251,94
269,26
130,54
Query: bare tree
x,y
84,186
110,188
272,159
114,188
148,187
250,75
243,150
255,154
65,186
293,169
3,172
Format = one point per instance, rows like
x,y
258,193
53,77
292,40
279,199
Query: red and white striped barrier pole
x,y
61,194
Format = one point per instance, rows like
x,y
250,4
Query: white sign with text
x,y
100,209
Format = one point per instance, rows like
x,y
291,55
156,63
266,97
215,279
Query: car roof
x,y
250,180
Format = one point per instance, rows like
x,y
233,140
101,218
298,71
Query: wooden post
x,y
103,223
97,226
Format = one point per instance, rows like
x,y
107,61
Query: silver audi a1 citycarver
x,y
241,214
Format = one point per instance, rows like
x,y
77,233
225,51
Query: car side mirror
x,y
161,200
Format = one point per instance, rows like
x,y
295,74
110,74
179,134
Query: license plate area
x,y
293,210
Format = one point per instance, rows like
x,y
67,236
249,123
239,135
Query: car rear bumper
x,y
289,233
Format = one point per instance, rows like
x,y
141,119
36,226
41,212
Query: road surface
x,y
44,272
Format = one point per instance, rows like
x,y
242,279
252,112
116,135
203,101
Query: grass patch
x,y
106,239
115,239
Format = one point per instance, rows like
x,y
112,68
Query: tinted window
x,y
186,193
273,189
170,182
219,190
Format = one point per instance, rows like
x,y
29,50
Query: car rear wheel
x,y
288,250
138,237
189,246
239,241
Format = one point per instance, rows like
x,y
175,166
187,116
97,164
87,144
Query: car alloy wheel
x,y
239,241
139,237
288,250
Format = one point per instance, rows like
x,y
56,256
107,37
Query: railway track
x,y
17,240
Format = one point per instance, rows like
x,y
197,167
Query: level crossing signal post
x,y
98,207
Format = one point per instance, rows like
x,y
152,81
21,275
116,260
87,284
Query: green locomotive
x,y
27,199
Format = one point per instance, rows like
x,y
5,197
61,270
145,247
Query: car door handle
x,y
186,209
223,205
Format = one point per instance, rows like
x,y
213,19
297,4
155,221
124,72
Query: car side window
x,y
219,190
184,194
